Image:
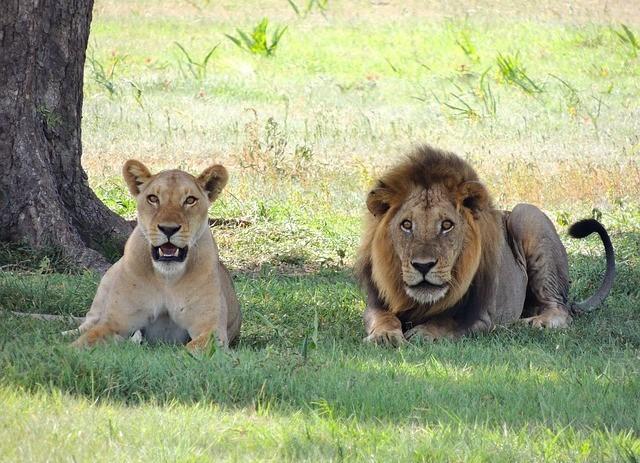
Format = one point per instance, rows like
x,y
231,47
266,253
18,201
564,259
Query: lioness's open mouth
x,y
424,284
169,253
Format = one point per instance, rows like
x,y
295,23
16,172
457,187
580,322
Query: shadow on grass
x,y
513,378
584,377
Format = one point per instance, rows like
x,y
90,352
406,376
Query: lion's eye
x,y
446,225
152,199
406,225
190,200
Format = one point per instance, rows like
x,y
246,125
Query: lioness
x,y
438,261
170,283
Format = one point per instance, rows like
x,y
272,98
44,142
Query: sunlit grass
x,y
210,432
352,85
354,95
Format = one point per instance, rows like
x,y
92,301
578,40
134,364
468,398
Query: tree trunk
x,y
45,199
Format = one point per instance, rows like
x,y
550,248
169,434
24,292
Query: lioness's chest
x,y
167,301
164,320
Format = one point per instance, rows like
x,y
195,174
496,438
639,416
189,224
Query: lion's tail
x,y
582,229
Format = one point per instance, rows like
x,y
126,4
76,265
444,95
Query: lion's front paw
x,y
421,333
429,332
393,338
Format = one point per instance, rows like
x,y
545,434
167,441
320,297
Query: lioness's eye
x,y
190,200
446,225
406,225
153,199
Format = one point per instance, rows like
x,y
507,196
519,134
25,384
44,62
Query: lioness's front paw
x,y
80,343
207,342
197,345
393,338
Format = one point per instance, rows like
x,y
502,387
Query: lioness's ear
x,y
474,196
213,180
378,199
136,175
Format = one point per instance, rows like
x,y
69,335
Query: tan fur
x,y
486,267
171,300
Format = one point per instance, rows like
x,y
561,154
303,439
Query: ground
x,y
542,97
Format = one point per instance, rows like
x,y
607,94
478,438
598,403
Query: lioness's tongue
x,y
169,249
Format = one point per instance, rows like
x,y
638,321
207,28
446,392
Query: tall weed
x,y
258,42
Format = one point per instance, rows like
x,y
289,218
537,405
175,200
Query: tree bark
x,y
45,199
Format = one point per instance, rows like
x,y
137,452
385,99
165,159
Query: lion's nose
x,y
423,266
169,230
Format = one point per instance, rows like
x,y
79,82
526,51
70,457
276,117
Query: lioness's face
x,y
172,209
172,212
427,233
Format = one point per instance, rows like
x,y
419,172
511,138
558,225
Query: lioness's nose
x,y
169,229
423,266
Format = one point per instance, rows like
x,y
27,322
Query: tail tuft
x,y
585,227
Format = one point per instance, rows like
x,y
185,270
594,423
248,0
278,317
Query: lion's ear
x,y
474,196
378,199
136,175
213,180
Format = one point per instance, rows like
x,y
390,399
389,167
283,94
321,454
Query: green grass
x,y
304,133
515,395
355,92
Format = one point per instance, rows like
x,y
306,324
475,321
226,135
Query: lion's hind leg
x,y
535,237
549,317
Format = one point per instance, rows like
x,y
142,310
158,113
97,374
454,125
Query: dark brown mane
x,y
425,167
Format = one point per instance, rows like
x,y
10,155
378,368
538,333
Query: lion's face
x,y
427,233
172,210
425,243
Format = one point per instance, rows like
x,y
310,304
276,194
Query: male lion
x,y
170,283
438,261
